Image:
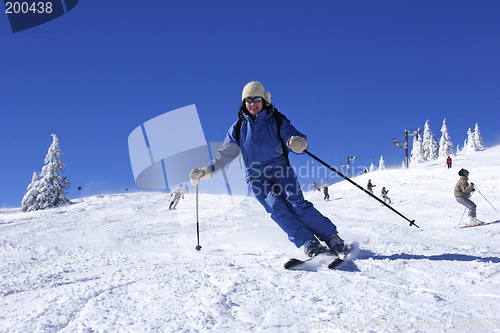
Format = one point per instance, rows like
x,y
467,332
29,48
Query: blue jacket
x,y
262,153
259,143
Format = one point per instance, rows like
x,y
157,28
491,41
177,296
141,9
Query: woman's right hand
x,y
198,174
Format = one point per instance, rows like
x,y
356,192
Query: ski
x,y
294,262
478,225
335,262
341,257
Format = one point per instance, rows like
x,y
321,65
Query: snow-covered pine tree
x,y
429,145
372,168
29,200
478,139
434,150
417,153
381,163
458,149
469,143
52,184
445,145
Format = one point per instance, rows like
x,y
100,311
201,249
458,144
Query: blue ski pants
x,y
278,190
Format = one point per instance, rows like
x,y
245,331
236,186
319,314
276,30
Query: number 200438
x,y
25,7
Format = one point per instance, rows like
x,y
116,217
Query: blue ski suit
x,y
273,182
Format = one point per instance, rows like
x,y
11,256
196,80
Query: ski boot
x,y
473,221
312,247
336,244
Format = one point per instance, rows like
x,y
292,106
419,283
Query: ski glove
x,y
297,144
198,174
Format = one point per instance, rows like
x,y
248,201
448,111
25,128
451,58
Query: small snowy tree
x,y
458,149
478,139
445,145
381,163
469,143
29,200
429,145
372,168
417,152
52,185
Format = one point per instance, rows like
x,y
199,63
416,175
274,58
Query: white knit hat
x,y
254,88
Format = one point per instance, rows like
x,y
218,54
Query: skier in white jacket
x,y
178,192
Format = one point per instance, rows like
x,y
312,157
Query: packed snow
x,y
125,263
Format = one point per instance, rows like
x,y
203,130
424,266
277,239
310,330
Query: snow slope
x,y
124,263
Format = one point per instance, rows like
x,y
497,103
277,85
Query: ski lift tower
x,y
348,166
405,144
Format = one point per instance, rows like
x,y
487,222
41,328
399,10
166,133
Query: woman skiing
x,y
463,191
260,135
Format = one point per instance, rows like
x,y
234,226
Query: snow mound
x,y
125,263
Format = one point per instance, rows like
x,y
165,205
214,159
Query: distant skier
x,y
384,195
325,191
448,162
463,191
178,192
370,186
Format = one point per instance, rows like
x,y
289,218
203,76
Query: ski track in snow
x,y
124,262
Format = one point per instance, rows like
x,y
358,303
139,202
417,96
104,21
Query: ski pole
x,y
484,197
460,223
198,247
412,222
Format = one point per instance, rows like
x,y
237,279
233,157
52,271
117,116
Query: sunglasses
x,y
255,99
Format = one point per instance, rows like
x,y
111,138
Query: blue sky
x,y
352,75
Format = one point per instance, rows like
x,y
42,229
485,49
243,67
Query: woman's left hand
x,y
297,144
